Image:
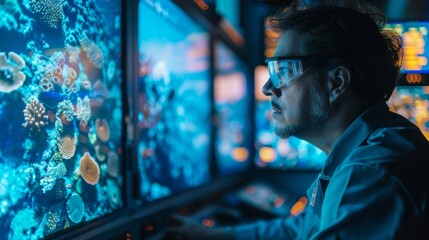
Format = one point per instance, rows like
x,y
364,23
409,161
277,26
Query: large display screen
x,y
232,107
412,102
271,151
174,101
415,45
60,114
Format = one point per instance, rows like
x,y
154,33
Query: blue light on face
x,y
273,152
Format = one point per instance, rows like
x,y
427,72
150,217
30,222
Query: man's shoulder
x,y
394,143
398,148
395,135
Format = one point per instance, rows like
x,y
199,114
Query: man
x,y
332,73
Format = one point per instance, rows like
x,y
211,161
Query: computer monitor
x,y
412,102
415,45
174,101
61,115
411,97
271,151
232,110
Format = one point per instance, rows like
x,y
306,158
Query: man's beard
x,y
286,132
318,118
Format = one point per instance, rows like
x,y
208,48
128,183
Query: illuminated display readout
x,y
412,102
416,51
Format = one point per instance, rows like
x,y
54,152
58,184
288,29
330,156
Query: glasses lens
x,y
282,72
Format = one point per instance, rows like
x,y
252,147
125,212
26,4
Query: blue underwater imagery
x,y
173,101
61,115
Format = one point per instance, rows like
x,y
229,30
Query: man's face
x,y
300,107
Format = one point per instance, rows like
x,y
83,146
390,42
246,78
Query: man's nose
x,y
268,87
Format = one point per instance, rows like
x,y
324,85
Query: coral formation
x,y
49,178
113,166
70,80
114,195
72,75
67,147
102,129
99,154
46,85
100,89
83,110
93,52
34,115
85,84
52,221
58,73
23,225
75,208
50,11
11,76
89,169
60,189
57,171
65,111
50,71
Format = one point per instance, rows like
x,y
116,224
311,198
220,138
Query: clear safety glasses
x,y
283,70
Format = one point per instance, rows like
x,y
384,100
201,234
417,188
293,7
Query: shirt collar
x,y
354,135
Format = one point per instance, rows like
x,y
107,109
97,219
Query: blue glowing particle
x,y
159,191
111,69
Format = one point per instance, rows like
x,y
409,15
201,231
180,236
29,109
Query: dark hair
x,y
373,55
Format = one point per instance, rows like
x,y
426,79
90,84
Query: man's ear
x,y
339,82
